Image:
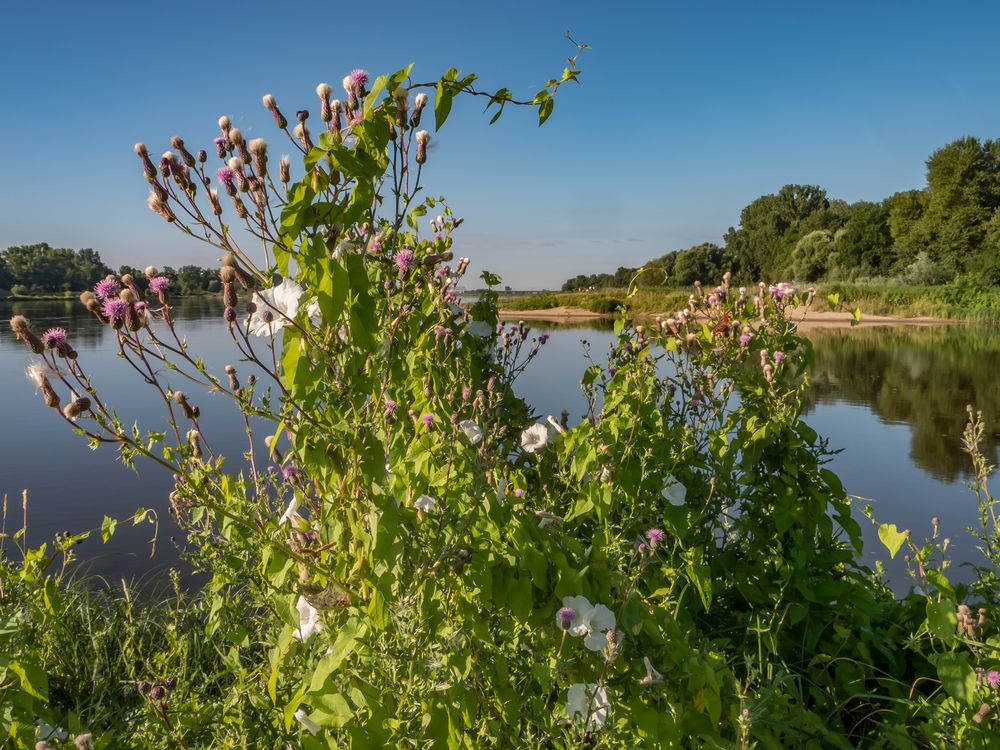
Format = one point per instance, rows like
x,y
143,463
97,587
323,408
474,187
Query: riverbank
x,y
806,318
879,305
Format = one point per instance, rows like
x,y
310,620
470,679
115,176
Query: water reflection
x,y
921,377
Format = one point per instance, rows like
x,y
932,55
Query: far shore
x,y
806,319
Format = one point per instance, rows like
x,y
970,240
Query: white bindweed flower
x,y
534,438
309,622
313,311
479,328
291,514
591,621
303,718
652,675
471,430
425,504
555,425
673,491
276,308
588,703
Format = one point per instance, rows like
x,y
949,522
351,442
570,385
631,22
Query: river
x,y
891,399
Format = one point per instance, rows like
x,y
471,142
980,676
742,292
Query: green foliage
x,y
400,581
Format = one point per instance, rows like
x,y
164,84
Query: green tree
x,y
813,255
705,263
864,243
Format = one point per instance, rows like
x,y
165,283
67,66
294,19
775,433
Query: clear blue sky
x,y
686,112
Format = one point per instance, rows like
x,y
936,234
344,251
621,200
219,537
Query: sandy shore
x,y
806,319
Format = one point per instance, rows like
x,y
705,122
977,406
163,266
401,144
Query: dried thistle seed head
x,y
159,205
420,100
236,164
127,279
86,296
127,295
227,274
258,147
269,101
76,407
423,137
225,124
323,91
285,170
150,272
229,259
141,150
236,136
177,142
19,325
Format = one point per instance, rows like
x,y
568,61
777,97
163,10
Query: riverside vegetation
x,y
405,557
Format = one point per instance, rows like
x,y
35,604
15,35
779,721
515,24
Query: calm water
x,y
892,398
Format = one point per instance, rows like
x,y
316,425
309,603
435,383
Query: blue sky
x,y
686,112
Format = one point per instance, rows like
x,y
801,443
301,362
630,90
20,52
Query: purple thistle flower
x,y
359,77
291,474
54,338
695,403
745,339
518,492
404,259
107,288
993,678
375,246
565,617
226,178
542,338
466,393
441,272
218,141
390,406
779,356
115,310
428,420
655,537
159,284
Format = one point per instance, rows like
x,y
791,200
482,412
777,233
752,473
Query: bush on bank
x,y
408,558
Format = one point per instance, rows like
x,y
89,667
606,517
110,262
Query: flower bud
x,y
284,170
76,407
423,138
272,107
159,205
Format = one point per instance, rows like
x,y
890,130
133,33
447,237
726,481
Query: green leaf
x,y
345,644
833,300
891,538
108,528
445,94
957,677
942,619
33,679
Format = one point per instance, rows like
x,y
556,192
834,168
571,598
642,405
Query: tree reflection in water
x,y
922,377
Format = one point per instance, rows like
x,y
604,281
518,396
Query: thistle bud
x,y
229,292
194,440
229,314
83,741
419,102
258,149
76,407
147,165
423,138
202,156
227,274
302,133
272,107
241,209
178,144
335,109
22,330
213,199
224,125
234,383
284,170
160,206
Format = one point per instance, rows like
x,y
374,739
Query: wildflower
x,y
404,259
425,504
555,425
779,356
534,438
55,338
314,314
291,514
591,621
993,679
673,491
159,285
390,408
311,726
83,741
227,179
518,492
479,328
275,308
542,338
428,420
655,537
423,138
309,622
745,339
107,288
76,407
588,703
472,431
651,674
357,78
565,617
115,310
291,474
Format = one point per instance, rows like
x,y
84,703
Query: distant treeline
x,y
41,269
930,236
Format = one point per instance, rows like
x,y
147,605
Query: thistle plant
x,y
407,556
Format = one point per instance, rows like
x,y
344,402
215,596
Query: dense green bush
x,y
426,565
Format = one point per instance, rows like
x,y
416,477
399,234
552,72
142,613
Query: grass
x,y
960,300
